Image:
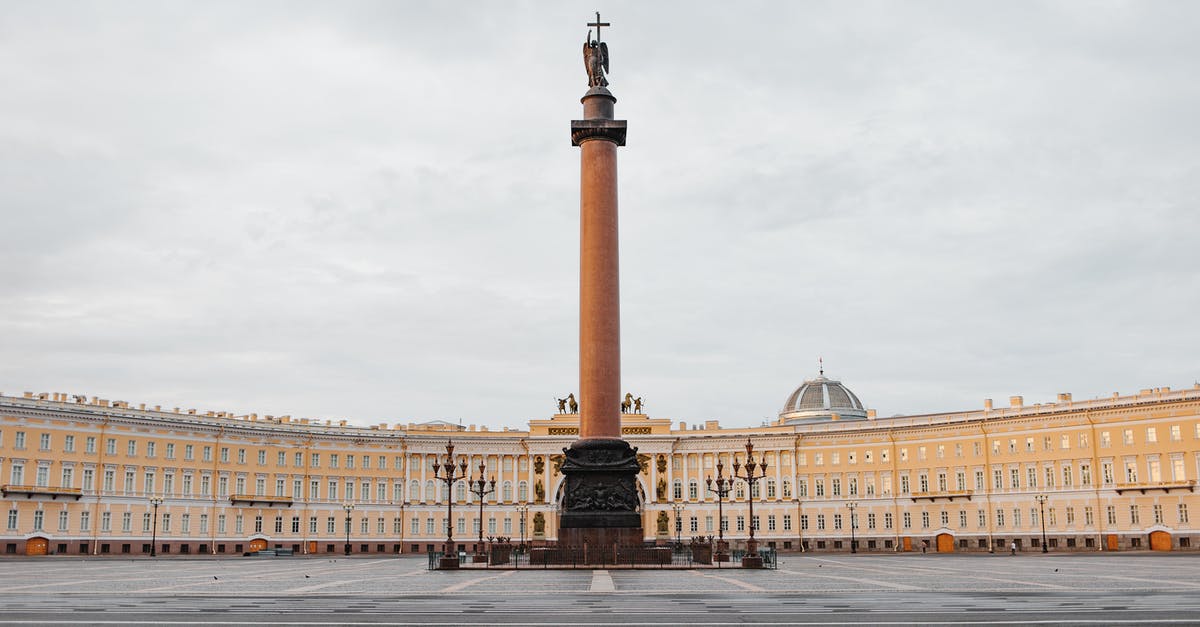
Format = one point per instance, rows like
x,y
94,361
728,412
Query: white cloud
x,y
369,210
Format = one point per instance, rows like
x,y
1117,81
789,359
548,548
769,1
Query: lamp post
x,y
853,544
752,558
678,509
349,507
481,488
448,473
1041,499
523,510
721,486
155,501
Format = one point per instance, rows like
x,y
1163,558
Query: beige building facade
x,y
81,476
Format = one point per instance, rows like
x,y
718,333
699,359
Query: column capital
x,y
610,130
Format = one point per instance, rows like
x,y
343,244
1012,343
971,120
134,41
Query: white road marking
x,y
876,582
740,584
602,582
466,584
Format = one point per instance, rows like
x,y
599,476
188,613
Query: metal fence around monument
x,y
552,557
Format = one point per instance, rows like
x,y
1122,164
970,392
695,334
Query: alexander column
x,y
601,501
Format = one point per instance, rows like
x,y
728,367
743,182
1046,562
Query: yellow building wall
x,y
80,476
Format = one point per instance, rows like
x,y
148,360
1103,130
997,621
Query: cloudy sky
x,y
369,210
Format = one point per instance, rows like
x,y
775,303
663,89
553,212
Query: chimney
x,y
1016,401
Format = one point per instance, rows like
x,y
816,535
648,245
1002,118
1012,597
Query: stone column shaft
x,y
599,293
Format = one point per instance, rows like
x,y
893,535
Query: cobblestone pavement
x,y
902,589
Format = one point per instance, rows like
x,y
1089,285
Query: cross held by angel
x,y
595,55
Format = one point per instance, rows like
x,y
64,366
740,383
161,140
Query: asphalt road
x,y
1096,589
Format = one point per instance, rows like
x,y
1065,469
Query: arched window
x,y
693,490
506,492
739,492
755,490
770,488
678,489
787,489
460,491
414,490
523,491
430,491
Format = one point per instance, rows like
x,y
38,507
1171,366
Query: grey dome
x,y
817,400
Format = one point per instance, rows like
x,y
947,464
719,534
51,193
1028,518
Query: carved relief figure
x,y
539,524
539,492
662,463
538,465
662,523
661,489
643,462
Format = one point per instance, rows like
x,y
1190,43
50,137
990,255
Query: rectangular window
x,y
131,448
170,450
1151,435
1111,513
12,520
1133,515
206,453
106,521
1183,513
110,446
151,449
69,443
44,442
1176,434
126,522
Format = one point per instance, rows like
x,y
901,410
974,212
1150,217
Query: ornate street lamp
x,y
721,486
1041,499
349,507
853,544
678,508
448,473
523,510
752,558
481,488
155,501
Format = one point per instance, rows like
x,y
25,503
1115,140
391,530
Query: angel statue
x,y
595,59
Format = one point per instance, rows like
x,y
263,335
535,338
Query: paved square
x,y
893,589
